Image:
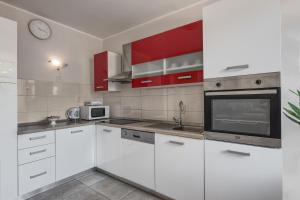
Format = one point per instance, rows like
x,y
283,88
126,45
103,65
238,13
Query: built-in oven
x,y
244,111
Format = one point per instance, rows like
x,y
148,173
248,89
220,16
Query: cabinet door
x,y
179,165
241,33
8,51
108,149
74,150
184,77
235,172
181,40
101,71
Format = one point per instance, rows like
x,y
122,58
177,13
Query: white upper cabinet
x,y
242,172
241,37
8,50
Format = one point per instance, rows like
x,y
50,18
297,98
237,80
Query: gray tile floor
x,y
94,186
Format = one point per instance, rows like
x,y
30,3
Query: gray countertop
x,y
195,133
44,126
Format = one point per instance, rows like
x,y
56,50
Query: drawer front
x,y
35,139
36,175
147,81
184,77
35,153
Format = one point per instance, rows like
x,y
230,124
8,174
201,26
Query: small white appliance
x,y
73,113
94,112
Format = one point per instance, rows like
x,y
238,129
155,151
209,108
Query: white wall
x,y
290,80
69,45
158,25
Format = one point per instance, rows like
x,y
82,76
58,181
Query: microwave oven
x,y
94,112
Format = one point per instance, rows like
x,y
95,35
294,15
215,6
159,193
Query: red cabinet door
x,y
100,72
147,81
183,77
181,40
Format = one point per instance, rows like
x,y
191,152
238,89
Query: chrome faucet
x,y
178,121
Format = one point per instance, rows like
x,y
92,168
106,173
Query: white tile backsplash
x,y
39,99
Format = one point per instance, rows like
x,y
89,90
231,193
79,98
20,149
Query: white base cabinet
x,y
179,165
36,161
36,175
235,172
74,151
109,149
239,33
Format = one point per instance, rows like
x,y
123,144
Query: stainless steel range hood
x,y
126,74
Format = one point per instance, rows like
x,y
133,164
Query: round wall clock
x,y
39,29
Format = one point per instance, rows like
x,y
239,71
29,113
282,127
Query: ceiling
x,y
101,18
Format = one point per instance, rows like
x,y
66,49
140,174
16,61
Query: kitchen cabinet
x,y
109,149
159,59
235,172
137,157
36,161
179,167
241,37
106,65
182,40
75,150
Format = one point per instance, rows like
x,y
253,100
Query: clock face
x,y
39,29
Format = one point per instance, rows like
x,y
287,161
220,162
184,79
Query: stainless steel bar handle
x,y
240,153
106,130
240,67
104,80
38,137
77,131
99,87
177,143
37,175
37,152
184,77
148,81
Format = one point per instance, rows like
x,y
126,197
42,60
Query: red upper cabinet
x,y
182,40
101,72
106,65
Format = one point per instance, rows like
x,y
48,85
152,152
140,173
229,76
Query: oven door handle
x,y
241,92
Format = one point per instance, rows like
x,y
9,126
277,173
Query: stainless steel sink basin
x,y
166,126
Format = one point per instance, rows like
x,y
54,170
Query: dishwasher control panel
x,y
139,136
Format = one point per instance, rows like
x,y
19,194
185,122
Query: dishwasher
x,y
137,157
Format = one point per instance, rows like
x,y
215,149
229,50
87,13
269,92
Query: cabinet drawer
x,y
35,139
147,81
35,153
36,175
184,77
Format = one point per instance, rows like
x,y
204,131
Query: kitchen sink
x,y
166,126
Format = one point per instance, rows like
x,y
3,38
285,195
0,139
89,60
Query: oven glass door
x,y
97,112
255,112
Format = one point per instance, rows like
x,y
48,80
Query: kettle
x,y
73,113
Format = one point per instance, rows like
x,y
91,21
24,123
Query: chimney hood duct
x,y
126,71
